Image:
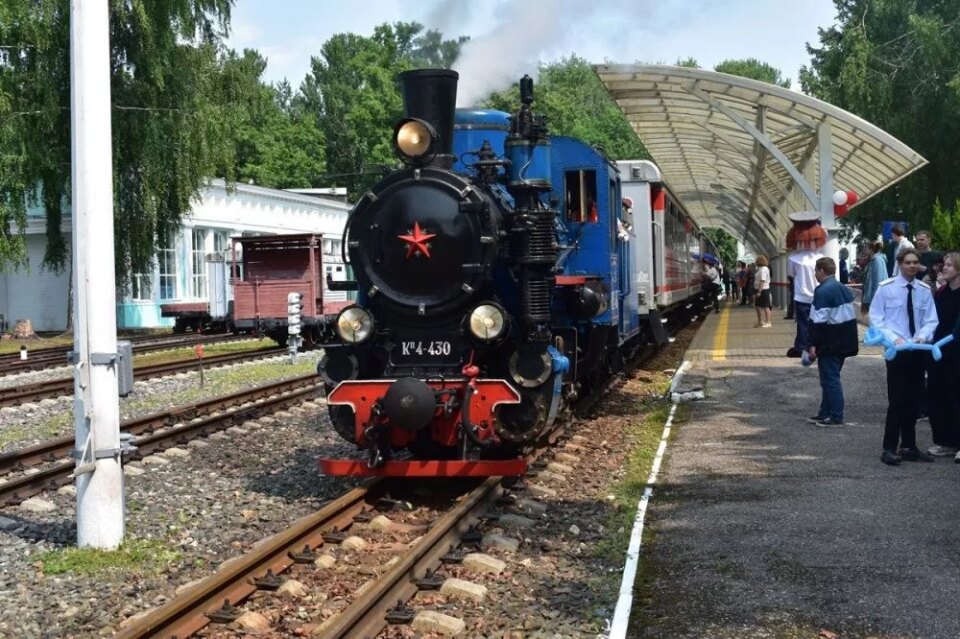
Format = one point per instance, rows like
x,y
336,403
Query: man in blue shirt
x,y
833,338
903,309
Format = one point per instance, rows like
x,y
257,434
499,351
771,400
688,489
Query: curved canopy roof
x,y
743,154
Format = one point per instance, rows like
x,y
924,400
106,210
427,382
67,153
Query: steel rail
x,y
53,449
14,491
236,580
366,616
56,356
64,386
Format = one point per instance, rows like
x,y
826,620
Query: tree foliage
x,y
896,63
577,104
352,93
755,70
945,225
169,129
726,245
277,143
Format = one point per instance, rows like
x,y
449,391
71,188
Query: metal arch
x,y
657,100
762,139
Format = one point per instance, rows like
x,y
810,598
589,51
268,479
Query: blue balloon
x,y
875,337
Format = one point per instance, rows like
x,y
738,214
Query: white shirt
x,y
762,278
904,244
888,310
801,267
712,275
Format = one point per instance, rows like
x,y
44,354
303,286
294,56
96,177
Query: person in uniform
x,y
904,310
805,239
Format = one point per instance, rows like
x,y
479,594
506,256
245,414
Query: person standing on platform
x,y
844,272
833,338
805,239
873,274
900,244
943,400
928,257
764,299
904,310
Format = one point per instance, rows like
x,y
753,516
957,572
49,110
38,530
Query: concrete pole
x,y
825,153
96,410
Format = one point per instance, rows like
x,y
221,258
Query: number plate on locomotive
x,y
424,352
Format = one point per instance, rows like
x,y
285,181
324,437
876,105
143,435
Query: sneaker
x,y
942,451
766,326
815,419
956,458
829,423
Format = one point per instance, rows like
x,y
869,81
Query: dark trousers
x,y
802,311
831,390
944,399
904,385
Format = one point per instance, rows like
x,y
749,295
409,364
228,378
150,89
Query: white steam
x,y
524,34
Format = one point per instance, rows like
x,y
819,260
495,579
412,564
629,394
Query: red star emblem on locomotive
x,y
417,241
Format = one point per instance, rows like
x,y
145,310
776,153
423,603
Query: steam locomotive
x,y
499,275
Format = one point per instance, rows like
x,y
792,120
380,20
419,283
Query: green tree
x,y
755,70
896,64
276,142
945,226
169,132
726,245
352,93
577,104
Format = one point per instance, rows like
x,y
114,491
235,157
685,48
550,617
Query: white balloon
x,y
839,198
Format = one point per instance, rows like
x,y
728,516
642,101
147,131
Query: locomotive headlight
x,y
414,139
487,322
354,324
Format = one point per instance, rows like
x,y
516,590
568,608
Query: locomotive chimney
x,y
431,95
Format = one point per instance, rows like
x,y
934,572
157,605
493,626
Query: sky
x,y
510,37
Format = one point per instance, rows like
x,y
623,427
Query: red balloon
x,y
840,210
852,198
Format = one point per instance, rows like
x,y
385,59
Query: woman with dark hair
x,y
844,275
943,401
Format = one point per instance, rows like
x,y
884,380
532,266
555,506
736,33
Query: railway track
x,y
11,364
219,598
216,598
64,386
48,466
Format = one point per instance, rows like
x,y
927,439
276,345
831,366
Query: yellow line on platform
x,y
719,350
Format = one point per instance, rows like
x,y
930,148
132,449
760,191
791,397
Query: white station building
x,y
180,272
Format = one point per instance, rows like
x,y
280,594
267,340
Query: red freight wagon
x,y
266,269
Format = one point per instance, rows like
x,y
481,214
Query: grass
x,y
144,556
44,429
13,345
187,352
645,436
218,381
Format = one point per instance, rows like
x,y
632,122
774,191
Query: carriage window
x,y
580,196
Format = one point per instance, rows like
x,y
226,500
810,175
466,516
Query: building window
x,y
140,286
167,262
198,270
220,242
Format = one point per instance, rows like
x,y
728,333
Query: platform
x,y
764,525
